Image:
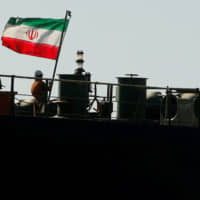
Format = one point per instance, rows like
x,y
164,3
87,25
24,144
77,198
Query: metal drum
x,y
73,96
153,105
131,99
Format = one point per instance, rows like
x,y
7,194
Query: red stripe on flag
x,y
30,48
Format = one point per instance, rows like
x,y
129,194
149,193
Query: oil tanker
x,y
134,138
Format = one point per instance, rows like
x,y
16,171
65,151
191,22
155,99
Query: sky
x,y
157,39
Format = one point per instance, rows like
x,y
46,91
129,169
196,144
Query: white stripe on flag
x,y
23,32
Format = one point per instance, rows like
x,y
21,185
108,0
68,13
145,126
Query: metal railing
x,y
96,101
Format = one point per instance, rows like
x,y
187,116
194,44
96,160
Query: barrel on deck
x,y
131,99
74,96
153,105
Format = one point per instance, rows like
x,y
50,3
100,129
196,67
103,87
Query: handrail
x,y
95,98
182,90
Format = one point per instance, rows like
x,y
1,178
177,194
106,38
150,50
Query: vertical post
x,y
170,106
46,109
110,103
198,92
167,107
95,95
95,91
109,93
166,104
12,100
67,16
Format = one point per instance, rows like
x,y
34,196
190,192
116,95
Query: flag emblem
x,y
32,34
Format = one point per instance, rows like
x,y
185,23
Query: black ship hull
x,y
118,156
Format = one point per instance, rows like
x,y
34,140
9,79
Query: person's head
x,y
38,74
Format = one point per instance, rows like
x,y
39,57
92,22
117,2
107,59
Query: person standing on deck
x,y
39,90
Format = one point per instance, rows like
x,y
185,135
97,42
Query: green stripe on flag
x,y
50,24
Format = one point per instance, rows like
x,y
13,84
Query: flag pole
x,y
67,16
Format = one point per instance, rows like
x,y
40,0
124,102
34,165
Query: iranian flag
x,y
34,36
